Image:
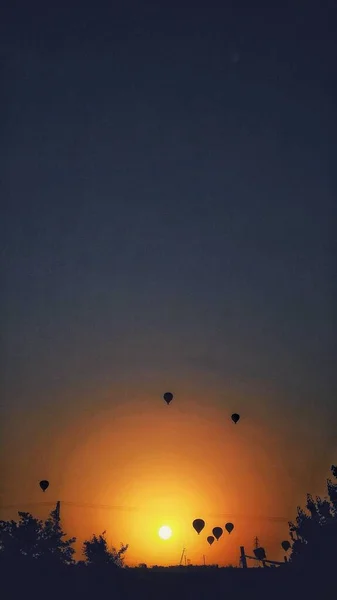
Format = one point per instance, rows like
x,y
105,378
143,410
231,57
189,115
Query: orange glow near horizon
x,y
131,467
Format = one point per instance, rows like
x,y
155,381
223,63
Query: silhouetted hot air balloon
x,y
229,527
168,397
285,545
217,532
198,525
44,484
210,539
235,418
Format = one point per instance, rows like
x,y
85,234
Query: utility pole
x,y
244,556
182,556
257,545
243,559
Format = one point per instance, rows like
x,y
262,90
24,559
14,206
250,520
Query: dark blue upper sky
x,y
169,177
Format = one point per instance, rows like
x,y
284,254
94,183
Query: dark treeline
x,y
37,558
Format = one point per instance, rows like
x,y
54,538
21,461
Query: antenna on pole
x,y
58,510
182,556
256,542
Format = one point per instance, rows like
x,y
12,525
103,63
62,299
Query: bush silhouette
x,y
314,535
97,553
32,539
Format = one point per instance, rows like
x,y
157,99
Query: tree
x,y
55,547
97,553
314,535
33,539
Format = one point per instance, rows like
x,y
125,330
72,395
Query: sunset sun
x,y
165,532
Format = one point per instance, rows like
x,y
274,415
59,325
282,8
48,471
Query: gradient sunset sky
x,y
169,177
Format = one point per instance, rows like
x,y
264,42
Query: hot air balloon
x,y
168,397
44,484
285,545
235,418
210,539
217,532
198,525
229,527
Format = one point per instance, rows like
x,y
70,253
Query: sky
x,y
169,186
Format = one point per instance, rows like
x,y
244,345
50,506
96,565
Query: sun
x,y
165,532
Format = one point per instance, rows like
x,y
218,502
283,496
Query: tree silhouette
x,y
55,547
97,553
33,539
314,535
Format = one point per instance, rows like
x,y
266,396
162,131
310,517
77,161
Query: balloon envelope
x,y
229,527
217,532
285,545
210,539
198,525
44,484
168,397
235,418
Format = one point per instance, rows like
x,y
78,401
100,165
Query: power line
x,y
251,517
103,506
276,519
74,504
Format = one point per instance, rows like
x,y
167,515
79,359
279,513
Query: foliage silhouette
x,y
97,553
33,539
37,558
314,535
